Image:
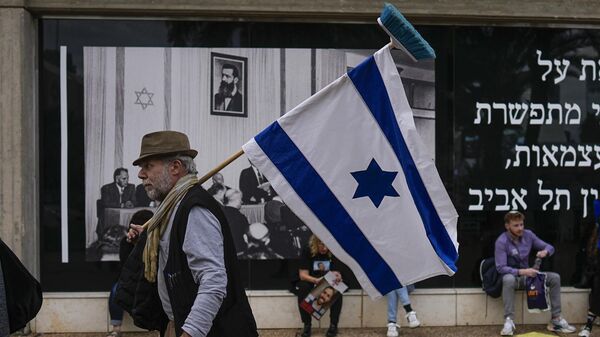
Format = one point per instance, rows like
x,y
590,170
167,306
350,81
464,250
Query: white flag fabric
x,y
348,161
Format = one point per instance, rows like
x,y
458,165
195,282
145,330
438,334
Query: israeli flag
x,y
349,162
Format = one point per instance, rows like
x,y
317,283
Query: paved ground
x,y
475,331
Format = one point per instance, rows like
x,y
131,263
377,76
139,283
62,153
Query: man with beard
x,y
182,276
229,97
515,244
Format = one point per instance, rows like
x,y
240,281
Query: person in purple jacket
x,y
512,262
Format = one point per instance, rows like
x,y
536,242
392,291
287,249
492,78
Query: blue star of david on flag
x,y
374,183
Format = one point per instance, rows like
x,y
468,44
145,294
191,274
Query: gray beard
x,y
161,187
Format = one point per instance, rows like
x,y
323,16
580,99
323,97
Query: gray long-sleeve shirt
x,y
203,246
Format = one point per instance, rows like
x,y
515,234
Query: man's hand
x,y
134,232
529,272
185,334
542,254
129,204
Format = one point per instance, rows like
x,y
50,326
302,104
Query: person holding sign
x,y
316,261
517,242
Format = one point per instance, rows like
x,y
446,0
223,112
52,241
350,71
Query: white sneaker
x,y
509,327
392,329
412,319
560,325
584,332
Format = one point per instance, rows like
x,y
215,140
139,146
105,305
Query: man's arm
x,y
501,255
203,246
108,201
540,245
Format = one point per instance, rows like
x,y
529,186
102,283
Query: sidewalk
x,y
461,331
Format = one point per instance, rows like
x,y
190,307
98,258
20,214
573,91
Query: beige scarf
x,y
157,225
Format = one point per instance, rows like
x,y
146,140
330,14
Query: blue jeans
x,y
115,311
392,301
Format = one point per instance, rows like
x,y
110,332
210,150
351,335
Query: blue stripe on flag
x,y
370,85
315,193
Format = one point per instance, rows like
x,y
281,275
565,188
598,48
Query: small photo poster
x,y
229,85
323,295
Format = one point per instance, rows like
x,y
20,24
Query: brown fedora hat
x,y
163,143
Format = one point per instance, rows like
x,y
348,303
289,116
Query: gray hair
x,y
186,161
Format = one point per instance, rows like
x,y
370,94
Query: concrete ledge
x,y
277,309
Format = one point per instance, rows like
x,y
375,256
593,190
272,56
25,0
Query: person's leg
x,y
405,299
335,310
116,313
553,283
557,324
593,306
334,314
392,305
510,283
304,289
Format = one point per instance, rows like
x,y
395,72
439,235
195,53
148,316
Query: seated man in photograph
x,y
118,194
516,242
217,182
254,186
238,223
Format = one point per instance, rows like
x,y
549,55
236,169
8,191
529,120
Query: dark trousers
x,y
304,289
115,311
594,298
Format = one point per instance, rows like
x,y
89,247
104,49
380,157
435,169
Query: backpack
x,y
491,280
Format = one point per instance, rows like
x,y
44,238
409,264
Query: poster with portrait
x,y
131,91
329,289
229,84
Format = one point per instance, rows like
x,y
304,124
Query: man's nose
x,y
142,174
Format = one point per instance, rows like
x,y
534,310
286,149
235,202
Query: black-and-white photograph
x,y
131,91
229,85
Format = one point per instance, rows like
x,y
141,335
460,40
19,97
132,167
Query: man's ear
x,y
176,168
506,225
235,80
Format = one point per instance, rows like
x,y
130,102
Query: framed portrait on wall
x,y
229,85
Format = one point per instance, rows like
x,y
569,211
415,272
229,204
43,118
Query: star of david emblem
x,y
375,183
144,98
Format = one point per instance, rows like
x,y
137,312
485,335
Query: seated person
x,y
139,218
310,274
517,242
254,186
118,194
393,297
238,223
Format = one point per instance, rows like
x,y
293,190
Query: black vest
x,y
234,318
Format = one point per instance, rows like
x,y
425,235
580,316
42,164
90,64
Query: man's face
x,y
155,176
515,227
122,179
227,76
218,179
325,296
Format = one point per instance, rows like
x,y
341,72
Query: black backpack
x,y
491,280
23,291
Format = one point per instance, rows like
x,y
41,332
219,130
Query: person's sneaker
x,y
560,325
509,327
412,319
392,329
332,331
585,332
306,330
